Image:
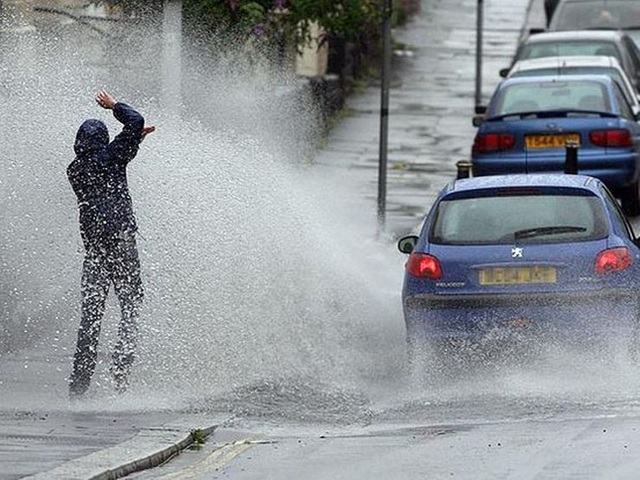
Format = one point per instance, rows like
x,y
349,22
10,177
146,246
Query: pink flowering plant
x,y
348,19
277,22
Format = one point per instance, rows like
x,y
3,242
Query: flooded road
x,y
567,418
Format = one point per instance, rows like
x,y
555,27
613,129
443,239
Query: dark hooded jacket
x,y
98,176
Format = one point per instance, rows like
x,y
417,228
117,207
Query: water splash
x,y
255,264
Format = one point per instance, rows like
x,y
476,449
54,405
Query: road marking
x,y
217,459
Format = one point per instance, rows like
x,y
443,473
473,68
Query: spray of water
x,y
265,289
256,265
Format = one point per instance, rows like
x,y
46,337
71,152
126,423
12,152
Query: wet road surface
x,y
303,377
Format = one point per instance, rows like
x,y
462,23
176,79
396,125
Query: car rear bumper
x,y
615,169
575,314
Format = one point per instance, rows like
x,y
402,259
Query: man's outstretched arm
x,y
125,145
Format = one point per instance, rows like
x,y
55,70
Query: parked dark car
x,y
597,14
529,121
519,257
609,43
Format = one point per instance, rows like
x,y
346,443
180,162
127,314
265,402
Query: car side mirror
x,y
480,109
478,120
408,243
504,72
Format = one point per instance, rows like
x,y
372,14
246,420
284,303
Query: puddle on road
x,y
296,400
555,383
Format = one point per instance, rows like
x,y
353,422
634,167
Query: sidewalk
x,y
45,436
431,107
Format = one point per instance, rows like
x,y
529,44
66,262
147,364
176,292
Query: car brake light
x,y
493,142
611,138
424,266
613,260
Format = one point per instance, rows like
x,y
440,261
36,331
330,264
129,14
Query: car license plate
x,y
516,275
551,141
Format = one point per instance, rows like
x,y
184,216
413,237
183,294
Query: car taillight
x,y
493,142
611,138
613,260
424,266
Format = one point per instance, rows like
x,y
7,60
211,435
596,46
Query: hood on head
x,y
92,135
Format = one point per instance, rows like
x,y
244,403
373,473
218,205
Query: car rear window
x,y
519,218
568,48
591,14
578,70
558,95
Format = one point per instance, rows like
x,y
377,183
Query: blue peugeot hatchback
x,y
530,120
546,255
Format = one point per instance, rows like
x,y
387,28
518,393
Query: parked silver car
x,y
610,43
577,65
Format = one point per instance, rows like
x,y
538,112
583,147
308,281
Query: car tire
x,y
630,199
430,362
425,361
417,358
633,355
634,345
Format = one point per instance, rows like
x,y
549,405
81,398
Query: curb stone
x,y
149,448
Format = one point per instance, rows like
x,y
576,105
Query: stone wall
x,y
411,6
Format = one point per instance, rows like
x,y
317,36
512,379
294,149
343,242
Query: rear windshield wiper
x,y
542,231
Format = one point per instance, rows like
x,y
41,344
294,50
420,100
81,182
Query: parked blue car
x,y
546,256
529,121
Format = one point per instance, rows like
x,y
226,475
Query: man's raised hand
x,y
105,100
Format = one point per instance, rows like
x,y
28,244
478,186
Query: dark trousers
x,y
114,262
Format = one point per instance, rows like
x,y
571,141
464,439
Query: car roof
x,y
595,2
575,35
592,1
523,68
567,61
525,180
601,2
592,77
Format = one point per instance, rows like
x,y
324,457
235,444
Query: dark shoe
x,y
78,388
120,381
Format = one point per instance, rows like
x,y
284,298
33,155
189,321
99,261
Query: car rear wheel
x,y
431,361
417,358
630,200
634,345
